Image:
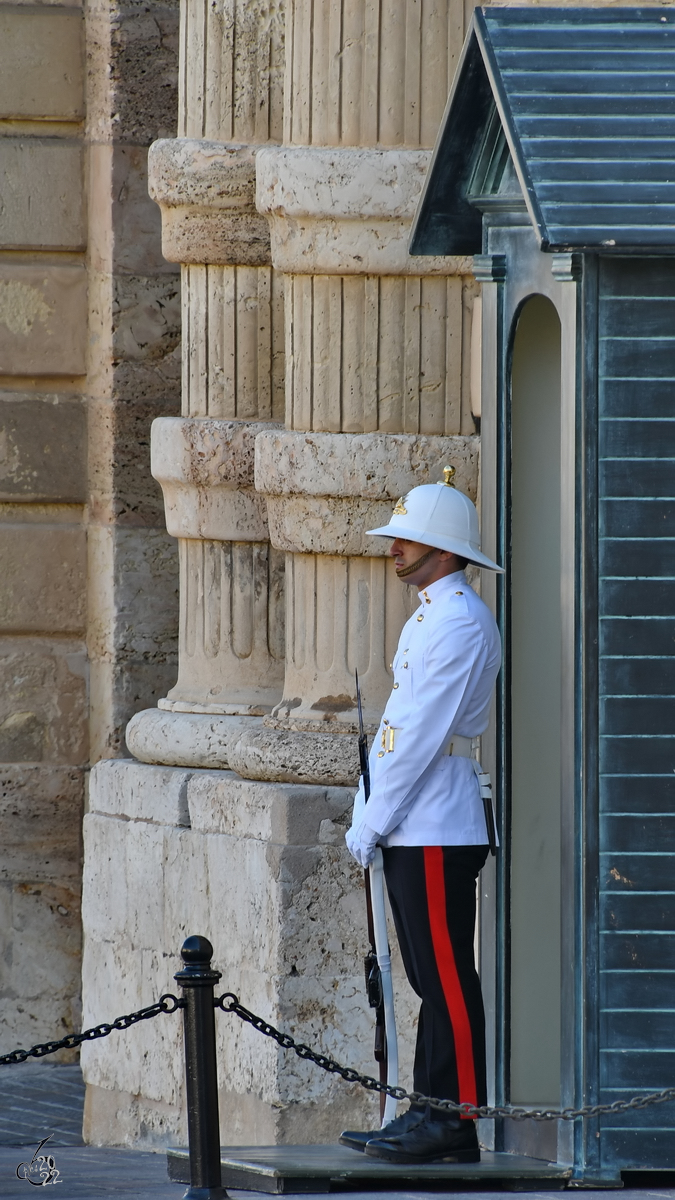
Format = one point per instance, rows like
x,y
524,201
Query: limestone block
x,y
42,62
115,1118
46,942
123,789
374,79
132,627
233,71
374,466
41,194
378,353
233,360
118,197
105,842
43,319
42,447
42,578
132,58
119,689
43,701
34,799
133,588
264,873
205,469
327,525
296,757
325,490
231,639
41,957
146,316
183,738
206,191
222,803
121,487
345,211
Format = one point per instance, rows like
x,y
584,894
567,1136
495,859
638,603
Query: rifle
x,y
379,992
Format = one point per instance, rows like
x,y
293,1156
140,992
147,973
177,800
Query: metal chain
x,y
230,1003
166,1004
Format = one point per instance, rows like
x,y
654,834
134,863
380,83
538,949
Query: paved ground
x,y
37,1099
89,1173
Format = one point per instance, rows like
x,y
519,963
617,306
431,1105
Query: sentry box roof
x,y
574,108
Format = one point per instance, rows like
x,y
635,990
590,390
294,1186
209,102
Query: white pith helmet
x,y
436,514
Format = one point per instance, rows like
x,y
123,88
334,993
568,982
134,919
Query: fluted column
x,y
231,641
377,347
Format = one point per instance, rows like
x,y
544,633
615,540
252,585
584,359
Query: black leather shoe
x,y
356,1140
429,1141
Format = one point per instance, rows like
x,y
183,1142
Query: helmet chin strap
x,y
403,571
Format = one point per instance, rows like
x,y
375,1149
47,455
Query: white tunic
x,y
445,667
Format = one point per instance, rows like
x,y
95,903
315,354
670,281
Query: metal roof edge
x,y
484,41
457,80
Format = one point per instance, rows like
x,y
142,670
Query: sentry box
x,y
555,168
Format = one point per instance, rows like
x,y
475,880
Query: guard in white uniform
x,y
426,812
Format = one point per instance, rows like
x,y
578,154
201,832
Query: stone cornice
x,y
371,466
206,191
324,490
343,211
204,467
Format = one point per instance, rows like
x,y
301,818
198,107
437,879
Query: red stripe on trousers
x,y
447,970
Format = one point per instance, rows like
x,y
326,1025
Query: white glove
x,y
361,842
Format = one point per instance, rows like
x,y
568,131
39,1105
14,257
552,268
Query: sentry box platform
x,y
555,168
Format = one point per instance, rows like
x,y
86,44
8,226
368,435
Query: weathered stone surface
x,y
42,447
205,469
40,820
121,487
42,578
132,629
42,62
234,343
344,211
374,466
133,59
125,789
146,313
41,959
43,319
43,701
41,194
232,664
295,757
138,620
233,71
327,525
324,490
300,918
206,191
378,353
184,738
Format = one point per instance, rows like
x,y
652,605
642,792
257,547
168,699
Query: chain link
x,y
166,1004
230,1003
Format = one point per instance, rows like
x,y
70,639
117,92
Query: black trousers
x,y
432,891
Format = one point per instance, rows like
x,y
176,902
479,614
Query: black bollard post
x,y
198,980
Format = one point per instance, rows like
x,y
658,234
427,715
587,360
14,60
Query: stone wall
x,y
324,374
89,345
262,870
43,493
